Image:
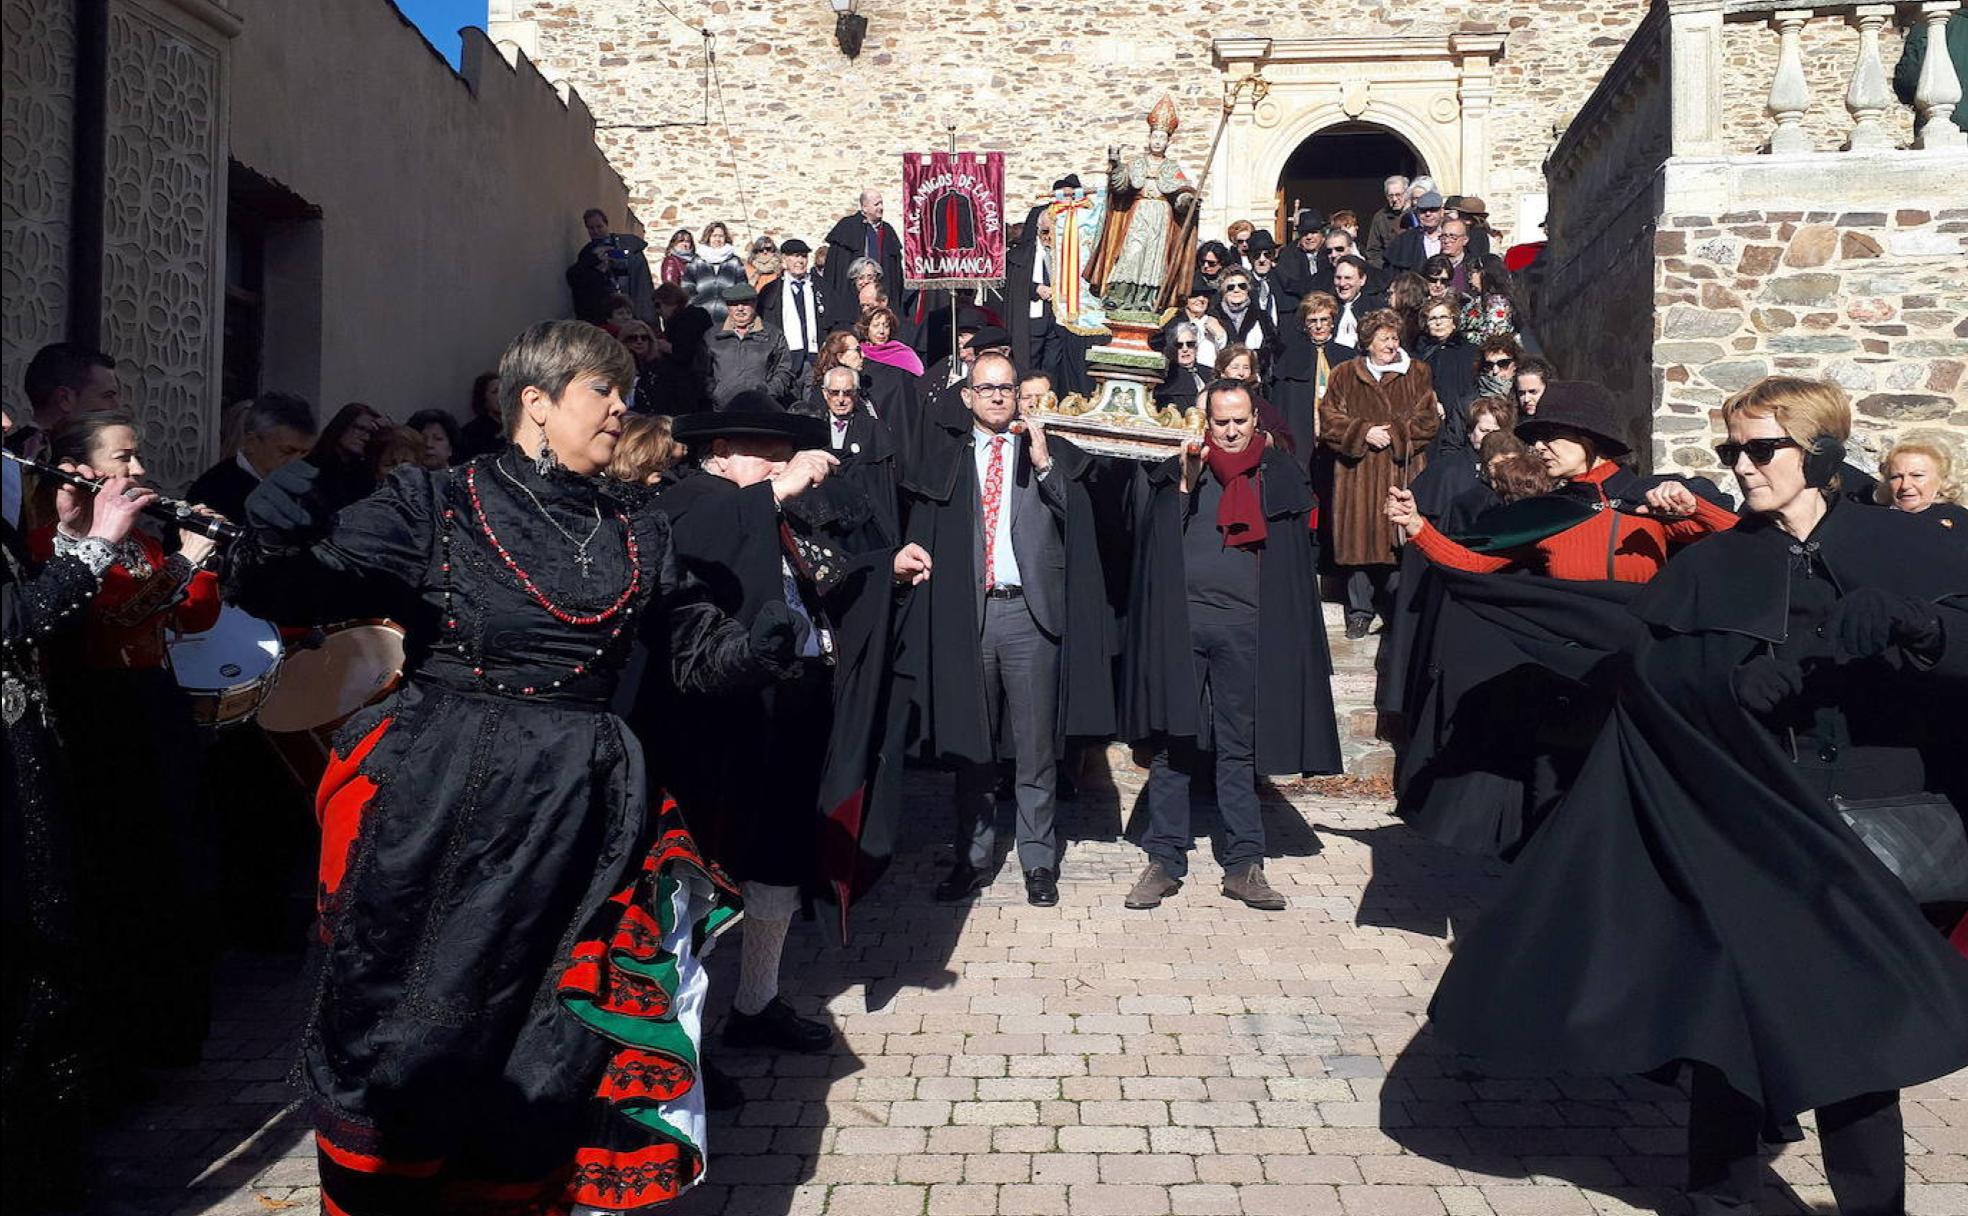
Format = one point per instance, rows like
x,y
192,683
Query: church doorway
x,y
1341,168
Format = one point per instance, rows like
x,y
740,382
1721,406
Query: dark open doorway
x,y
1342,168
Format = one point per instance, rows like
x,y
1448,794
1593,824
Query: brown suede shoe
x,y
1248,885
1152,887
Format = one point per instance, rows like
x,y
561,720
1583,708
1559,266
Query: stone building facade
x,y
236,195
1473,89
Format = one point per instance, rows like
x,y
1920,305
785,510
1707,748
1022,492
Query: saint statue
x,y
1144,244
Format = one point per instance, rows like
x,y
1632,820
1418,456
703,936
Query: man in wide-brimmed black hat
x,y
779,785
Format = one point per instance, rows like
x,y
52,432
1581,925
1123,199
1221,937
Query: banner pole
x,y
956,358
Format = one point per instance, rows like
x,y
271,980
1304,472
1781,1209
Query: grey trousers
x,y
1021,700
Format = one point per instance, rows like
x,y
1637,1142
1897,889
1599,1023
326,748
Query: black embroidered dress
x,y
509,1010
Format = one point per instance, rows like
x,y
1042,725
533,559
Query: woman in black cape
x,y
1697,897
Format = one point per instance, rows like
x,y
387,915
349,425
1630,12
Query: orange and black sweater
x,y
1611,545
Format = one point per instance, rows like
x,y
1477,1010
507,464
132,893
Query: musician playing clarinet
x,y
145,876
507,1015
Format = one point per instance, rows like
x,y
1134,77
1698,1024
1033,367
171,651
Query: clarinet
x,y
171,510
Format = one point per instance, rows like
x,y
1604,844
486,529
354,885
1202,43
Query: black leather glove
x,y
284,503
1765,683
776,638
1871,619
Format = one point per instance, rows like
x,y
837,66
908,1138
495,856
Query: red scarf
x,y
1240,513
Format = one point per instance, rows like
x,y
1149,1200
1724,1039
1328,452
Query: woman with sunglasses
x,y
1491,306
1244,323
1701,896
1212,259
1439,273
762,269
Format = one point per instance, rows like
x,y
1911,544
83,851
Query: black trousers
x,y
1226,670
1370,590
1864,1154
1021,692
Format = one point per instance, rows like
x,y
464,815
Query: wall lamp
x,y
850,27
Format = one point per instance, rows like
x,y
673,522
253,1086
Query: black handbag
x,y
1919,837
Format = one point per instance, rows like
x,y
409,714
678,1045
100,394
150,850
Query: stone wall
x,y
1051,82
1875,300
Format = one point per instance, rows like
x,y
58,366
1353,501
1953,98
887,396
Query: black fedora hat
x,y
755,414
1576,405
1261,241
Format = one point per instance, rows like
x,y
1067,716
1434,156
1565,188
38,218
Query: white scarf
x,y
1397,368
717,254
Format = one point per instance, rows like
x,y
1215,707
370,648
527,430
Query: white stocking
x,y
768,915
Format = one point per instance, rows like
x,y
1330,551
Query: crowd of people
x,y
691,576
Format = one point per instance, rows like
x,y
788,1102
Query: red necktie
x,y
993,498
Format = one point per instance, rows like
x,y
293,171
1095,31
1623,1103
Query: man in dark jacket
x,y
763,776
1386,222
800,306
1037,338
279,430
1226,570
1011,639
864,234
745,354
1415,246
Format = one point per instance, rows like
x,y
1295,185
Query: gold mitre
x,y
1163,117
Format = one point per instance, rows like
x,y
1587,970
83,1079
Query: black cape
x,y
943,694
1691,899
1296,729
1294,387
846,237
768,781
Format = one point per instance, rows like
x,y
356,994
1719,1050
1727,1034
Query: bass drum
x,y
351,665
228,670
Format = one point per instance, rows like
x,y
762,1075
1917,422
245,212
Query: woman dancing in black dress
x,y
509,1014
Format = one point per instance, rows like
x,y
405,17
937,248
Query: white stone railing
x,y
1867,95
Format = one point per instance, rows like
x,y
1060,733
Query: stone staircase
x,y
1367,755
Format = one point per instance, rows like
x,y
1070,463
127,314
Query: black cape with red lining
x,y
1691,899
742,767
941,693
1296,730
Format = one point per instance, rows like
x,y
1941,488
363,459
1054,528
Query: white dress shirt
x,y
789,318
1041,277
1004,563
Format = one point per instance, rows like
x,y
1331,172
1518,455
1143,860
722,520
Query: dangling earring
x,y
543,463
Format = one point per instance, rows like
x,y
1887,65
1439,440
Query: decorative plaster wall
x,y
163,227
37,106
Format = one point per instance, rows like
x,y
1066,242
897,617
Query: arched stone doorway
x,y
1342,167
1432,92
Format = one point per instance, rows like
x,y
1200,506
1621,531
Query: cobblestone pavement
x,y
998,1058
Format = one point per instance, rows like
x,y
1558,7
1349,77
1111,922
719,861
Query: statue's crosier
x,y
1145,246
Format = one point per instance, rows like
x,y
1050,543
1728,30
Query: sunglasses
x,y
1430,210
1236,287
1759,451
1185,346
1441,278
1497,363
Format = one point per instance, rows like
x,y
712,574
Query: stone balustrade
x,y
1867,94
1743,194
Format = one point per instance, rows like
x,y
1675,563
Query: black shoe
x,y
1358,626
963,881
1041,887
721,1089
778,1027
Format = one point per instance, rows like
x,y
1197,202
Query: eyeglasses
x,y
1759,451
993,390
1455,236
1494,364
1185,346
1236,287
1430,210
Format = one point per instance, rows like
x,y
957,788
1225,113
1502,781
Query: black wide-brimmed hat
x,y
1261,241
1576,405
751,413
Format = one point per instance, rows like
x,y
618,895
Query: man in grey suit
x,y
1016,511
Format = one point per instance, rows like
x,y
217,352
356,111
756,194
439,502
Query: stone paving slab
x,y
1001,1060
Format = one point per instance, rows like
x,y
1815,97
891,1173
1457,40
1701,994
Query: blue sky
x,y
441,19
